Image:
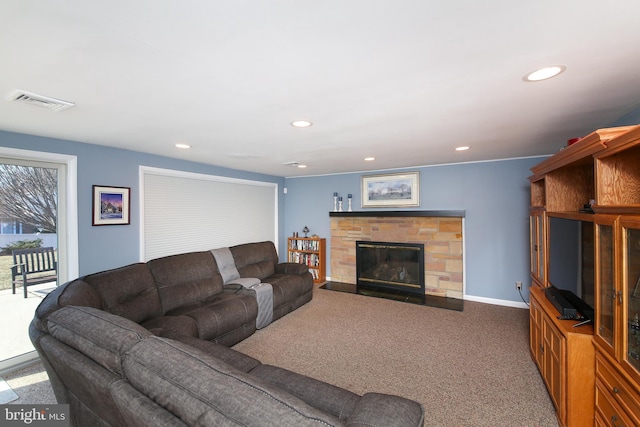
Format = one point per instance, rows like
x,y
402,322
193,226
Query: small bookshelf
x,y
311,252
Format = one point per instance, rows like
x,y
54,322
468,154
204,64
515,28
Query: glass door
x,y
631,318
537,239
606,297
29,215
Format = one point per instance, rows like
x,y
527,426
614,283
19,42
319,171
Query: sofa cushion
x,y
128,291
171,326
202,390
384,410
288,287
221,313
291,268
102,336
255,259
185,279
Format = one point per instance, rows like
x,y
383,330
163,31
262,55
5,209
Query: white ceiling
x,y
405,81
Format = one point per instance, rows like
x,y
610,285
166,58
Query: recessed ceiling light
x,y
463,148
544,73
184,146
302,166
301,123
369,159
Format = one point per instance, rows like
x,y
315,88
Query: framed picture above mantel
x,y
391,190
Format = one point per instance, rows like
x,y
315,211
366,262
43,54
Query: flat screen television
x,y
571,260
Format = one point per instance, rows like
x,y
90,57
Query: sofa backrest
x,y
204,391
128,291
185,278
102,336
85,348
75,292
255,259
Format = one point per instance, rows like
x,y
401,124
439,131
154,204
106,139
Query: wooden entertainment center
x,y
592,371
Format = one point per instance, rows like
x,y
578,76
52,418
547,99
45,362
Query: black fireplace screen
x,y
397,266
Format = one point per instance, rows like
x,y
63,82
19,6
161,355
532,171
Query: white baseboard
x,y
494,301
18,362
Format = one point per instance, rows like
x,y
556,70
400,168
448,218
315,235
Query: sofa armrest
x,y
291,268
385,410
236,288
319,394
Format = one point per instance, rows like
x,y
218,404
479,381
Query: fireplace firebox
x,y
388,265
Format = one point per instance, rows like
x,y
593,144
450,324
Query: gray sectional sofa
x,y
148,344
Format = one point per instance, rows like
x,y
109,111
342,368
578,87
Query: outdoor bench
x,y
29,266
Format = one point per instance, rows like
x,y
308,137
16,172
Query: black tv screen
x,y
571,257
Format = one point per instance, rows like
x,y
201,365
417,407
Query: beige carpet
x,y
469,368
31,385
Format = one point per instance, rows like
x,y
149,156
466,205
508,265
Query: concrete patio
x,y
16,312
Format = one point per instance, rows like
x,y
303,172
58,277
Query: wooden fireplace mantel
x,y
454,214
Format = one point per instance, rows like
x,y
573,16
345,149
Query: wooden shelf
x,y
618,177
603,167
311,252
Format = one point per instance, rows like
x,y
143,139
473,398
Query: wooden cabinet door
x,y
629,322
553,364
535,334
607,307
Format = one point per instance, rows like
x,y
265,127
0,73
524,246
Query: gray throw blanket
x,y
226,264
231,276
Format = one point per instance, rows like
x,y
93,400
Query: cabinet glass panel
x,y
533,232
540,244
633,288
607,297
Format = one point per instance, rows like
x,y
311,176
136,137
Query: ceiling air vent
x,y
40,100
292,164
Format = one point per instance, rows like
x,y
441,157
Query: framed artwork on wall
x,y
111,205
391,190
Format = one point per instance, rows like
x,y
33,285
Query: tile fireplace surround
x,y
439,231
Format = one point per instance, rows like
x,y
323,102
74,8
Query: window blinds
x,y
184,212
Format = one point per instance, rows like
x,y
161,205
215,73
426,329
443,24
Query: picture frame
x,y
111,205
391,190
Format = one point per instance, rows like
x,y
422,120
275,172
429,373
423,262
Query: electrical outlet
x,y
518,285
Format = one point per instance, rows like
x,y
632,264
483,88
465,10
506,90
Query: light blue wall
x,y
107,247
632,118
495,196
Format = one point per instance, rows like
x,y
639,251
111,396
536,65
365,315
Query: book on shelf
x,y
312,260
305,245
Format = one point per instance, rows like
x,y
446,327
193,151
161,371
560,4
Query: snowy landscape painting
x,y
110,205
